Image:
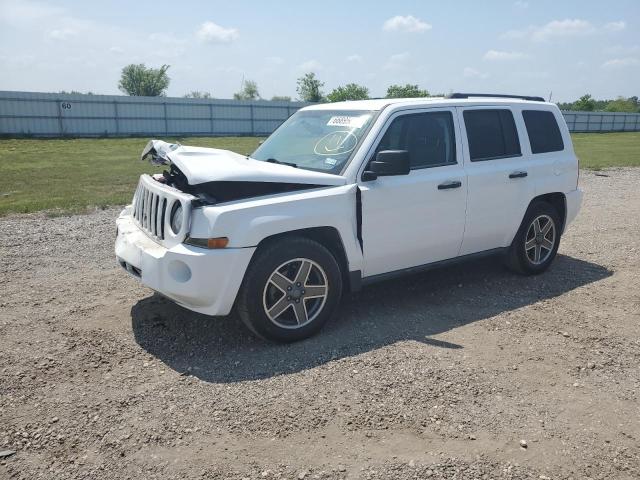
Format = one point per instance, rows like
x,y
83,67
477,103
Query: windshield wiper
x,y
273,160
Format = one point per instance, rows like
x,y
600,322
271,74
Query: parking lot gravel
x,y
465,372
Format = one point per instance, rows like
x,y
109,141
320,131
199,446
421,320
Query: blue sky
x,y
510,46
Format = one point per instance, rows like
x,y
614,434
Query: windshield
x,y
321,140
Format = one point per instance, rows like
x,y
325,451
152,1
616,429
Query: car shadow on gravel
x,y
414,308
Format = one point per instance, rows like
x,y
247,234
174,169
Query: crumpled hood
x,y
202,165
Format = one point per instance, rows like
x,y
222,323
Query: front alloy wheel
x,y
290,289
296,293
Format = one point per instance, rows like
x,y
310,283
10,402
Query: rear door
x,y
500,186
415,219
554,167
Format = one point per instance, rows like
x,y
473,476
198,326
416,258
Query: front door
x,y
415,219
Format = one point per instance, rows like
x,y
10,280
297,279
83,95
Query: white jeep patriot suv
x,y
343,194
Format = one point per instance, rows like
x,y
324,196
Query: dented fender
x,y
248,222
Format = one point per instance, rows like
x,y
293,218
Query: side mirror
x,y
387,163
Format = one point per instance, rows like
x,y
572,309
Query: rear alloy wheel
x,y
537,240
540,239
290,289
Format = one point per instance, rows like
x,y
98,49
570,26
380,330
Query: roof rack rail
x,y
492,95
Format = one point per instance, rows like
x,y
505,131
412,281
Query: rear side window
x,y
428,137
492,134
544,133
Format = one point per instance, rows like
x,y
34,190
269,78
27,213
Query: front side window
x,y
321,140
544,133
428,137
492,134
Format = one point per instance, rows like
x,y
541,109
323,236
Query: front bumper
x,y
205,281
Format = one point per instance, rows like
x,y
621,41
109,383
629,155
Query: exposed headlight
x,y
176,218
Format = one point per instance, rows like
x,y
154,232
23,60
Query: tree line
x,y
139,80
587,103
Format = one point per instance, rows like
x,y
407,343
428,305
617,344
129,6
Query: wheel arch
x,y
558,200
328,237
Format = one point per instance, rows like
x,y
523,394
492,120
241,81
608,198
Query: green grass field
x,y
603,150
71,175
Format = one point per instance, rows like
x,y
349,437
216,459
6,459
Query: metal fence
x,y
28,114
602,121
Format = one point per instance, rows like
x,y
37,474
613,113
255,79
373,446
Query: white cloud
x,y
407,23
470,72
116,50
563,28
521,4
622,49
496,55
397,61
615,26
516,34
210,32
311,66
27,12
62,33
400,57
354,59
621,62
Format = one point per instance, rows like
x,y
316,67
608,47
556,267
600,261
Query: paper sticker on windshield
x,y
336,143
348,121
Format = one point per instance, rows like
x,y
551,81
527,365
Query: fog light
x,y
179,271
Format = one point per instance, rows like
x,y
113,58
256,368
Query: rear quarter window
x,y
492,134
544,133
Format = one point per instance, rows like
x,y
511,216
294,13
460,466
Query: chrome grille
x,y
150,211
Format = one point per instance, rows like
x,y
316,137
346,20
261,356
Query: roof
x,y
380,103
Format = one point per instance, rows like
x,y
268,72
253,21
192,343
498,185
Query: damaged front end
x,y
215,176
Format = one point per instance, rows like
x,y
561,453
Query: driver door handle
x,y
450,184
518,175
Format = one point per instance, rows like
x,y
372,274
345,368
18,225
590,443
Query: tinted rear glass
x,y
544,133
492,134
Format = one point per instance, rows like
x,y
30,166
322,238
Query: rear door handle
x,y
448,185
518,175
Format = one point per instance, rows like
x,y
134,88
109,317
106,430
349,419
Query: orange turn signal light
x,y
219,242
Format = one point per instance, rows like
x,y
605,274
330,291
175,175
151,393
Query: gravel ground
x,y
467,372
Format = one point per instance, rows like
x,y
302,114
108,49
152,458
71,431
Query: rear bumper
x,y
574,202
205,281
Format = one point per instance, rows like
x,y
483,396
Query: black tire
x,y
521,260
257,289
